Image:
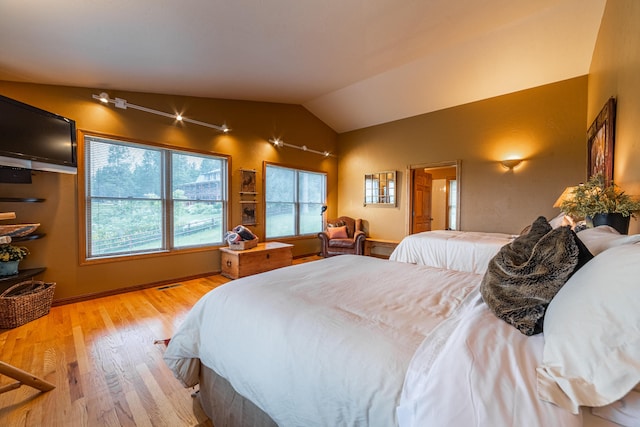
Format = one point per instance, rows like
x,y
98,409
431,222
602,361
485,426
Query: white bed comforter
x,y
325,343
485,375
456,250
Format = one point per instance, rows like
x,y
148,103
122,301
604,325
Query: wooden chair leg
x,y
23,377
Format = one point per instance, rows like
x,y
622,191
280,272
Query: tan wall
x,y
544,125
615,71
252,124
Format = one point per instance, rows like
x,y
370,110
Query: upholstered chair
x,y
344,235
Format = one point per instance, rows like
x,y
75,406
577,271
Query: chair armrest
x,y
323,236
324,243
359,238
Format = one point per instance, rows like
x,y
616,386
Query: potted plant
x,y
601,203
10,257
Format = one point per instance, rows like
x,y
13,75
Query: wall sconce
x,y
123,104
510,163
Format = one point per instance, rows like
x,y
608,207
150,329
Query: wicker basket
x,y
24,302
243,244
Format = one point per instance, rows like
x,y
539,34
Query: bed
x,y
360,341
455,250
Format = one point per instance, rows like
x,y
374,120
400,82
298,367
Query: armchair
x,y
344,235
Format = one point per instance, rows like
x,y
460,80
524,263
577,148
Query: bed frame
x,y
225,407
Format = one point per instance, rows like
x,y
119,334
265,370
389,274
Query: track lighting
x,y
123,104
277,142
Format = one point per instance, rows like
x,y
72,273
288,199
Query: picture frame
x,y
248,181
248,212
601,141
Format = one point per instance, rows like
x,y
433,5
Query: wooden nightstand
x,y
264,257
372,246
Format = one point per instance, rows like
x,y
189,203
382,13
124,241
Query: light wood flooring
x,y
100,355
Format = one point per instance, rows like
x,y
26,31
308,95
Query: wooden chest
x,y
264,257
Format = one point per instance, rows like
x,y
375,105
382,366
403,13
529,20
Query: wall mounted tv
x,y
32,138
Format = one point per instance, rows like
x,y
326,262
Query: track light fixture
x,y
277,142
123,104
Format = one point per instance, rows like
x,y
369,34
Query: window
x,y
294,200
452,205
142,199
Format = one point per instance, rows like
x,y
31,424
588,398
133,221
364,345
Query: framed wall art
x,y
248,183
600,142
248,212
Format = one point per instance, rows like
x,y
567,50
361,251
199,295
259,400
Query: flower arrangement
x,y
597,197
12,253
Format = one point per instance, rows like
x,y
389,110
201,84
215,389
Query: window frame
x,y
296,202
166,199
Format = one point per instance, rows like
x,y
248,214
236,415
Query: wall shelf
x,y
22,199
7,281
33,236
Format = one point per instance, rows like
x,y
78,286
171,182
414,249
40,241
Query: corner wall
x,y
615,71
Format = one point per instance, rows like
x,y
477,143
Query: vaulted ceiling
x,y
352,63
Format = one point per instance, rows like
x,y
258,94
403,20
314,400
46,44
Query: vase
x,y
615,220
9,268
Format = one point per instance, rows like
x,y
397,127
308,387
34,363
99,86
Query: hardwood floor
x,y
100,355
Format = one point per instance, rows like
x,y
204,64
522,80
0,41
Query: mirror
x,y
380,188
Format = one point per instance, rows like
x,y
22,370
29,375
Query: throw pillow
x,y
525,275
336,224
337,232
584,254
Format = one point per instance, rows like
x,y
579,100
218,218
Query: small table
x,y
264,257
371,244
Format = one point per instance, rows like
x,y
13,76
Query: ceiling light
x,y
122,103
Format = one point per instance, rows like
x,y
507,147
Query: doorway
x,y
434,197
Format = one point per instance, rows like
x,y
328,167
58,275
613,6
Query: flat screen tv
x,y
33,138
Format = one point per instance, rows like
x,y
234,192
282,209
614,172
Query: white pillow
x,y
603,237
561,220
592,333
